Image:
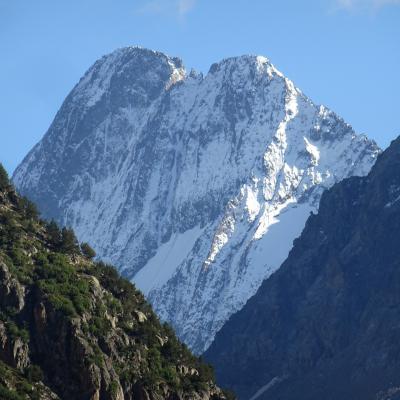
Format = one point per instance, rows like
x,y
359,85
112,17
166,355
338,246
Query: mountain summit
x,y
195,186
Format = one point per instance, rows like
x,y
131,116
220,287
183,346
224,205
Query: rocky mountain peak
x,y
195,187
129,76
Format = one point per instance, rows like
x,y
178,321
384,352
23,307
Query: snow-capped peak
x,y
195,187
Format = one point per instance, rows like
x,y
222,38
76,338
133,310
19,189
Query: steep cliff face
x,y
73,329
195,187
326,324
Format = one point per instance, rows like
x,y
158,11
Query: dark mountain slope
x,y
327,324
71,328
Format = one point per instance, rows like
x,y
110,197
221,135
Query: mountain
x,y
71,328
195,187
326,324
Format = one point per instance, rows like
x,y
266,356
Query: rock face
x,y
71,328
326,324
195,187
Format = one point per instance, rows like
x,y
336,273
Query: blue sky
x,y
341,53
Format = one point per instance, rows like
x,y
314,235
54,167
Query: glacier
x,y
194,186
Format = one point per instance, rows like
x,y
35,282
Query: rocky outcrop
x,y
13,350
71,328
326,325
11,292
193,186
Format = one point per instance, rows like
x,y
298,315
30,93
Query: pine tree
x,y
54,234
28,208
4,180
87,251
69,242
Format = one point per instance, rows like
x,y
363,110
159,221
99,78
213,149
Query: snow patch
x,y
160,268
266,387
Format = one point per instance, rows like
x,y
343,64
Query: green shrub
x,y
229,394
25,387
114,388
87,251
4,180
65,290
6,394
170,375
28,208
18,257
99,326
16,332
69,242
34,373
63,304
97,357
54,234
206,372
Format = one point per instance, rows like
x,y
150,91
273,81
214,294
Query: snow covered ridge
x,y
194,186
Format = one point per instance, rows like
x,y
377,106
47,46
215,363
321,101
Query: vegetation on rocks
x,y
72,328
